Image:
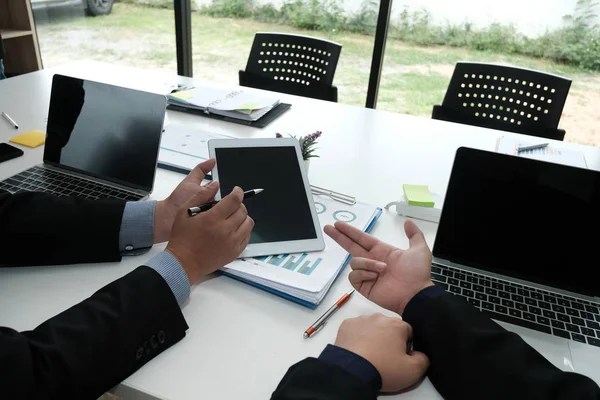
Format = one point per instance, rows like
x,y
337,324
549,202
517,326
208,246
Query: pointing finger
x,y
347,244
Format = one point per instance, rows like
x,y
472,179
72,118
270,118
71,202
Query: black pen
x,y
205,207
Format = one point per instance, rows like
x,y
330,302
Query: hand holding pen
x,y
214,238
207,206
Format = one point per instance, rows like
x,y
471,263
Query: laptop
x,y
518,239
102,141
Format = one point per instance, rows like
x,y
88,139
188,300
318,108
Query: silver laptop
x,y
518,239
102,141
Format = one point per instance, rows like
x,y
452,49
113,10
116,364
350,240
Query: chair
x,y
293,64
506,98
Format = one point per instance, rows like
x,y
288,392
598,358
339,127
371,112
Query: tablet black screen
x,y
282,211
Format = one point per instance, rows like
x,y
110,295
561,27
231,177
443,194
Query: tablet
x,y
284,212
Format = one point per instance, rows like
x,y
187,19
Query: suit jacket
x,y
472,357
65,230
89,348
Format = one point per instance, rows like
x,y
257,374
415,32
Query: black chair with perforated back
x,y
293,64
506,98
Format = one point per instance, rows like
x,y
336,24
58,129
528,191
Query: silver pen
x,y
532,147
10,120
320,323
343,198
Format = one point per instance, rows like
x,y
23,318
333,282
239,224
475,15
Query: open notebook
x,y
236,104
306,278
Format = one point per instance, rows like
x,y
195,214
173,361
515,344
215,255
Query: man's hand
x,y
208,241
165,210
383,342
386,275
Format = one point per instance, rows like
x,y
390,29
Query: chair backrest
x,y
314,91
295,59
496,93
451,115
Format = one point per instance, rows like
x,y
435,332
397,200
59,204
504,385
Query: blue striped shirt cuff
x,y
137,228
172,272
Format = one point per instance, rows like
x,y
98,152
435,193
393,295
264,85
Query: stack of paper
x,y
306,278
552,153
233,104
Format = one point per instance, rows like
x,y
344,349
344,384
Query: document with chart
x,y
556,153
306,277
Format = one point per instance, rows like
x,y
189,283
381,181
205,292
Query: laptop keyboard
x,y
37,179
543,311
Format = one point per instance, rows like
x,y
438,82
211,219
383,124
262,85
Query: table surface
x,y
241,339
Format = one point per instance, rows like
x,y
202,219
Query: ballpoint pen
x,y
323,320
343,198
10,120
532,147
207,206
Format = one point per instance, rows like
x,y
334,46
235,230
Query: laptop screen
x,y
105,131
524,218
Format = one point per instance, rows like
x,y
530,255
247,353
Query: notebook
x,y
236,104
305,278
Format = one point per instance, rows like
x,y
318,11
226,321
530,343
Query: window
x,y
128,32
223,32
426,39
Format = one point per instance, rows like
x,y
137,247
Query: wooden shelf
x,y
22,52
14,33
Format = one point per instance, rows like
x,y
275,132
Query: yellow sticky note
x,y
183,95
418,195
30,139
248,106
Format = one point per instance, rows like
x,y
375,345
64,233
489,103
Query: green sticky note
x,y
418,195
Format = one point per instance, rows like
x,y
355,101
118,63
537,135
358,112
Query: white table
x,y
241,339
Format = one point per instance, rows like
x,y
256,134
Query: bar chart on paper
x,y
557,153
302,263
306,277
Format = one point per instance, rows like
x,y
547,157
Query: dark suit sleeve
x,y
336,374
314,379
472,357
91,347
41,229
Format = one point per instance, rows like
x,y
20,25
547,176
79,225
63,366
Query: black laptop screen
x,y
524,218
106,131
